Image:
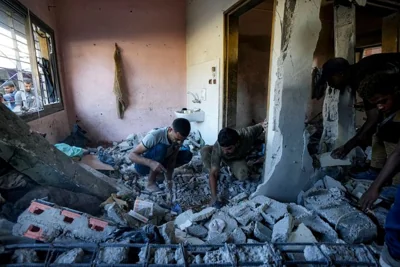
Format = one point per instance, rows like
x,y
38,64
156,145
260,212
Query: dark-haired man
x,y
339,74
231,149
383,91
159,152
13,97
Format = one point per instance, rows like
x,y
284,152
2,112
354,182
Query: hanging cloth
x,y
118,81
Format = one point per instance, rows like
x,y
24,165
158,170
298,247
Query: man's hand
x,y
341,152
369,197
157,167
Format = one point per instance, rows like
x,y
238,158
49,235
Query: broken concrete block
x,y
302,235
124,145
326,160
325,231
216,225
167,231
197,231
182,237
113,255
244,214
262,232
202,215
73,256
216,238
271,210
24,256
329,183
282,229
255,254
164,256
45,223
242,196
298,212
248,229
31,154
338,253
352,225
238,237
216,256
183,220
230,223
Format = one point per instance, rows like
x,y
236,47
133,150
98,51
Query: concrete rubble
x,y
352,225
113,255
73,256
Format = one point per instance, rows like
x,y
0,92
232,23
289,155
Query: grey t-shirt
x,y
18,98
30,100
156,136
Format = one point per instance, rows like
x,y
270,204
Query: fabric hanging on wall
x,y
118,81
48,80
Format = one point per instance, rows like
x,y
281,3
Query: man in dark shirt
x,y
339,74
231,149
383,91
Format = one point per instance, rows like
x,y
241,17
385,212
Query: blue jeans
x,y
158,153
392,228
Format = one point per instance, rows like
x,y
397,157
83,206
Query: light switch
x,y
203,94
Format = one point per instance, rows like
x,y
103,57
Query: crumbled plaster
x,y
296,32
330,116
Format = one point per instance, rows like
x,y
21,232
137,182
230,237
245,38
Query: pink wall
x,y
151,35
55,125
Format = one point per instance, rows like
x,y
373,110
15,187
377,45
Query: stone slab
x,y
282,229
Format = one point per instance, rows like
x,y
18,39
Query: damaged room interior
x,y
199,133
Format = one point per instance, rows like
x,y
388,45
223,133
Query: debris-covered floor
x,y
257,229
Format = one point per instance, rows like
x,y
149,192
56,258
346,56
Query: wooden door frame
x,y
231,54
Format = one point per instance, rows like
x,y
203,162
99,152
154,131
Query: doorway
x,y
248,31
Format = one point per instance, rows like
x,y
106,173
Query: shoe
x,y
369,175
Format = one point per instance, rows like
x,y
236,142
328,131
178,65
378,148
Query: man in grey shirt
x,y
12,97
160,152
32,101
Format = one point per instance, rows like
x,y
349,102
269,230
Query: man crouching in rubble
x,y
231,148
159,152
383,91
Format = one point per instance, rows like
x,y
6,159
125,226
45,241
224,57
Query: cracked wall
x,y
295,31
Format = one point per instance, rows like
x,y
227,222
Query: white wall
x,y
204,48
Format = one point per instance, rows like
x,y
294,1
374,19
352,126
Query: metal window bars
x,y
268,254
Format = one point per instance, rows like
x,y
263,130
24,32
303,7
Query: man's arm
x,y
366,131
391,167
136,157
214,172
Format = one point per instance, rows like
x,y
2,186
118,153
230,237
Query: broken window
x,y
29,81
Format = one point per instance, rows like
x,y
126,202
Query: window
x,y
371,51
29,80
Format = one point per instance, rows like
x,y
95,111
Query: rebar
x,y
282,254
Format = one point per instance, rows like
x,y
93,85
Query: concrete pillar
x,y
295,33
31,154
345,39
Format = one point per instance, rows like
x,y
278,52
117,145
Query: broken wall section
x,y
288,165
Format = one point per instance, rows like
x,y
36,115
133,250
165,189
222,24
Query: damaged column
x,y
288,164
31,154
345,37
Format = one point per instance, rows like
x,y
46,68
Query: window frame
x,y
30,19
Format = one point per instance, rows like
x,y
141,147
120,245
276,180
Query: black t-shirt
x,y
386,63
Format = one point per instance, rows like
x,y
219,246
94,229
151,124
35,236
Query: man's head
x,y
382,90
28,85
228,140
9,87
180,130
335,73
